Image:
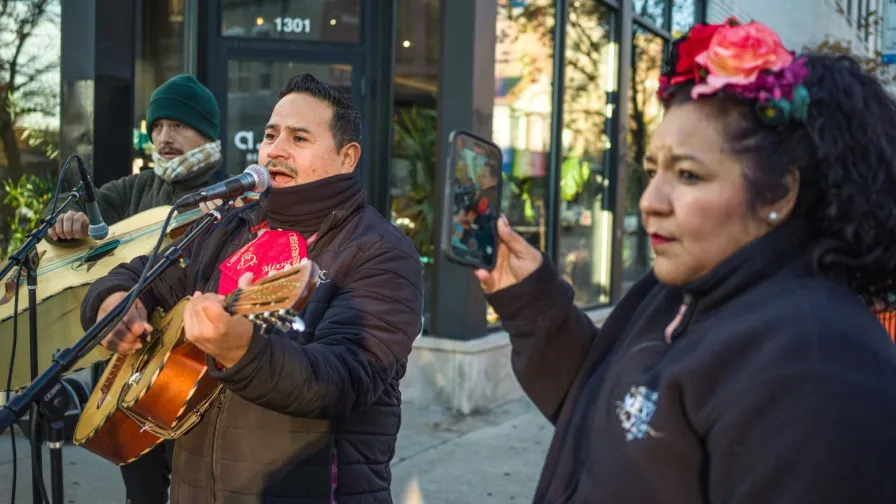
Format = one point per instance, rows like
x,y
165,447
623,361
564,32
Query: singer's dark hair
x,y
345,125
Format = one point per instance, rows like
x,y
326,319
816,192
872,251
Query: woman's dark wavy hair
x,y
846,157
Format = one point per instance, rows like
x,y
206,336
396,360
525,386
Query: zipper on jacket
x,y
211,461
682,320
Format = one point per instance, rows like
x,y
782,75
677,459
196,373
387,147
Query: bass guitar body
x,y
162,390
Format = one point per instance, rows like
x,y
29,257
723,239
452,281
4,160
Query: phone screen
x,y
476,201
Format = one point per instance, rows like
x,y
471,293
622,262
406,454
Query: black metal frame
x,y
459,304
371,78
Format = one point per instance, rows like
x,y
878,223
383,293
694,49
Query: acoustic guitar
x,y
162,390
63,277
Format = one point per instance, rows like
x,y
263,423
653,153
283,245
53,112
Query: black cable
x,y
12,359
37,469
59,182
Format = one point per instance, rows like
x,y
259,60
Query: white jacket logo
x,y
635,412
321,278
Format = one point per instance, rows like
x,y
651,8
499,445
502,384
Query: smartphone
x,y
472,201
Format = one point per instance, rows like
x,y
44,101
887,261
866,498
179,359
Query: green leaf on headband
x,y
800,102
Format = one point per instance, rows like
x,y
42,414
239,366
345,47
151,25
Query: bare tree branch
x,y
25,28
32,76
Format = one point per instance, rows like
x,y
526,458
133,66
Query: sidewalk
x,y
440,459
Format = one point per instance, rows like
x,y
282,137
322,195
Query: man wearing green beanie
x,y
183,121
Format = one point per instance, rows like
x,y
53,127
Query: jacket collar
x,y
255,215
752,264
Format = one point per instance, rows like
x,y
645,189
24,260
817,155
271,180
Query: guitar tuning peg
x,y
275,321
292,322
297,324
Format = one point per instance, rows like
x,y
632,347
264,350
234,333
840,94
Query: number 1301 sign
x,y
293,25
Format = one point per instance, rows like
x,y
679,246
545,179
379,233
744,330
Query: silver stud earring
x,y
773,217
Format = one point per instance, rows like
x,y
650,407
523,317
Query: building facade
x,y
566,88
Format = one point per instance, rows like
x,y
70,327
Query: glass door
x,y
253,88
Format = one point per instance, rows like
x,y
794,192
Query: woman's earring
x,y
773,217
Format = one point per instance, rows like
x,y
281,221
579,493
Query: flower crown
x,y
747,60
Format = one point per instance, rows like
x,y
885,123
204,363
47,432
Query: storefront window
x,y
414,140
253,88
652,11
684,15
161,48
322,20
586,216
521,121
521,118
645,112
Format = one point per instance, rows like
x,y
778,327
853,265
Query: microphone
x,y
97,228
253,179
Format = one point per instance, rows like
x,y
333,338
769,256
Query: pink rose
x,y
737,54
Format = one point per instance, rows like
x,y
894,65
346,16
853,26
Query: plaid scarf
x,y
189,163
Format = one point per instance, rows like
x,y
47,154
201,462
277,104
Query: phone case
x,y
448,198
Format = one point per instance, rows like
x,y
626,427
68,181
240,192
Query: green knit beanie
x,y
185,100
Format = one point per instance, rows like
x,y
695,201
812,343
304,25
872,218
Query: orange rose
x,y
738,53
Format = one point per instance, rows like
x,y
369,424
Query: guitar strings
x,y
57,263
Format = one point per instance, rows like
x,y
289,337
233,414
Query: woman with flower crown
x,y
747,366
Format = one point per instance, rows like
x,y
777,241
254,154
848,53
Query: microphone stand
x,y
44,386
27,257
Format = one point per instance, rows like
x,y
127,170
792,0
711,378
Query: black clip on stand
x,y
45,385
28,258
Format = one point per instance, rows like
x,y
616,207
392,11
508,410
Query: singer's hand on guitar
x,y
207,325
70,226
128,335
516,260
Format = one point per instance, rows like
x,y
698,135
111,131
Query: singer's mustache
x,y
274,164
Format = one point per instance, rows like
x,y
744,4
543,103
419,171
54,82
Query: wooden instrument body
x,y
64,275
146,385
161,391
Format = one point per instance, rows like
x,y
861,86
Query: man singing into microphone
x,y
183,122
307,417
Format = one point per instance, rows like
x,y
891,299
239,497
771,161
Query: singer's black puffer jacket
x,y
295,403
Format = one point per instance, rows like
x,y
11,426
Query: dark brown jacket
x,y
297,402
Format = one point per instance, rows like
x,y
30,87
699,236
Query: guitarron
x,y
64,275
162,390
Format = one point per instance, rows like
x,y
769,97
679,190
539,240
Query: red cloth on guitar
x,y
272,251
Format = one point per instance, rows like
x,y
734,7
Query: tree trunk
x,y
13,172
14,169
